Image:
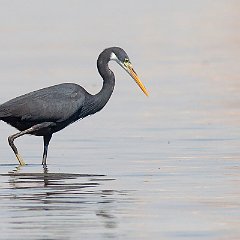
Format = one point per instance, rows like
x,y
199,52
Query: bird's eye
x,y
126,60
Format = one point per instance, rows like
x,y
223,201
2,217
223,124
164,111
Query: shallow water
x,y
163,167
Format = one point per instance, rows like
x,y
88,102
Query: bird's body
x,y
49,110
59,105
45,105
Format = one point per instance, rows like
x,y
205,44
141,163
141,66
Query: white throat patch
x,y
114,57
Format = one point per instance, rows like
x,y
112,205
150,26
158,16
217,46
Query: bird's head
x,y
121,57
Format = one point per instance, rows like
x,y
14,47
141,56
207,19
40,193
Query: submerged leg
x,y
30,130
46,140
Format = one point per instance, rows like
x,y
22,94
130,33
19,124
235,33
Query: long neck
x,y
101,98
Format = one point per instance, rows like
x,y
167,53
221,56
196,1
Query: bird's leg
x,y
46,140
12,145
30,130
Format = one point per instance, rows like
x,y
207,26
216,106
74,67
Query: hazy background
x,y
174,155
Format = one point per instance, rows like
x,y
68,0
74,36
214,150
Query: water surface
x,y
163,167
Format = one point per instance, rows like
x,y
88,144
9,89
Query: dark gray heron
x,y
49,110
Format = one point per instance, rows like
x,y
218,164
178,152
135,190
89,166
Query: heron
x,y
51,109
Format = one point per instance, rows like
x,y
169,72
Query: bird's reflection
x,y
62,193
19,178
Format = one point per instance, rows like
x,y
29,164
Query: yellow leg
x,y
20,160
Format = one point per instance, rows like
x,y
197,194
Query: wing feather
x,y
55,103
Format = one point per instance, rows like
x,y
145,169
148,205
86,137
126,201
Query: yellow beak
x,y
134,75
